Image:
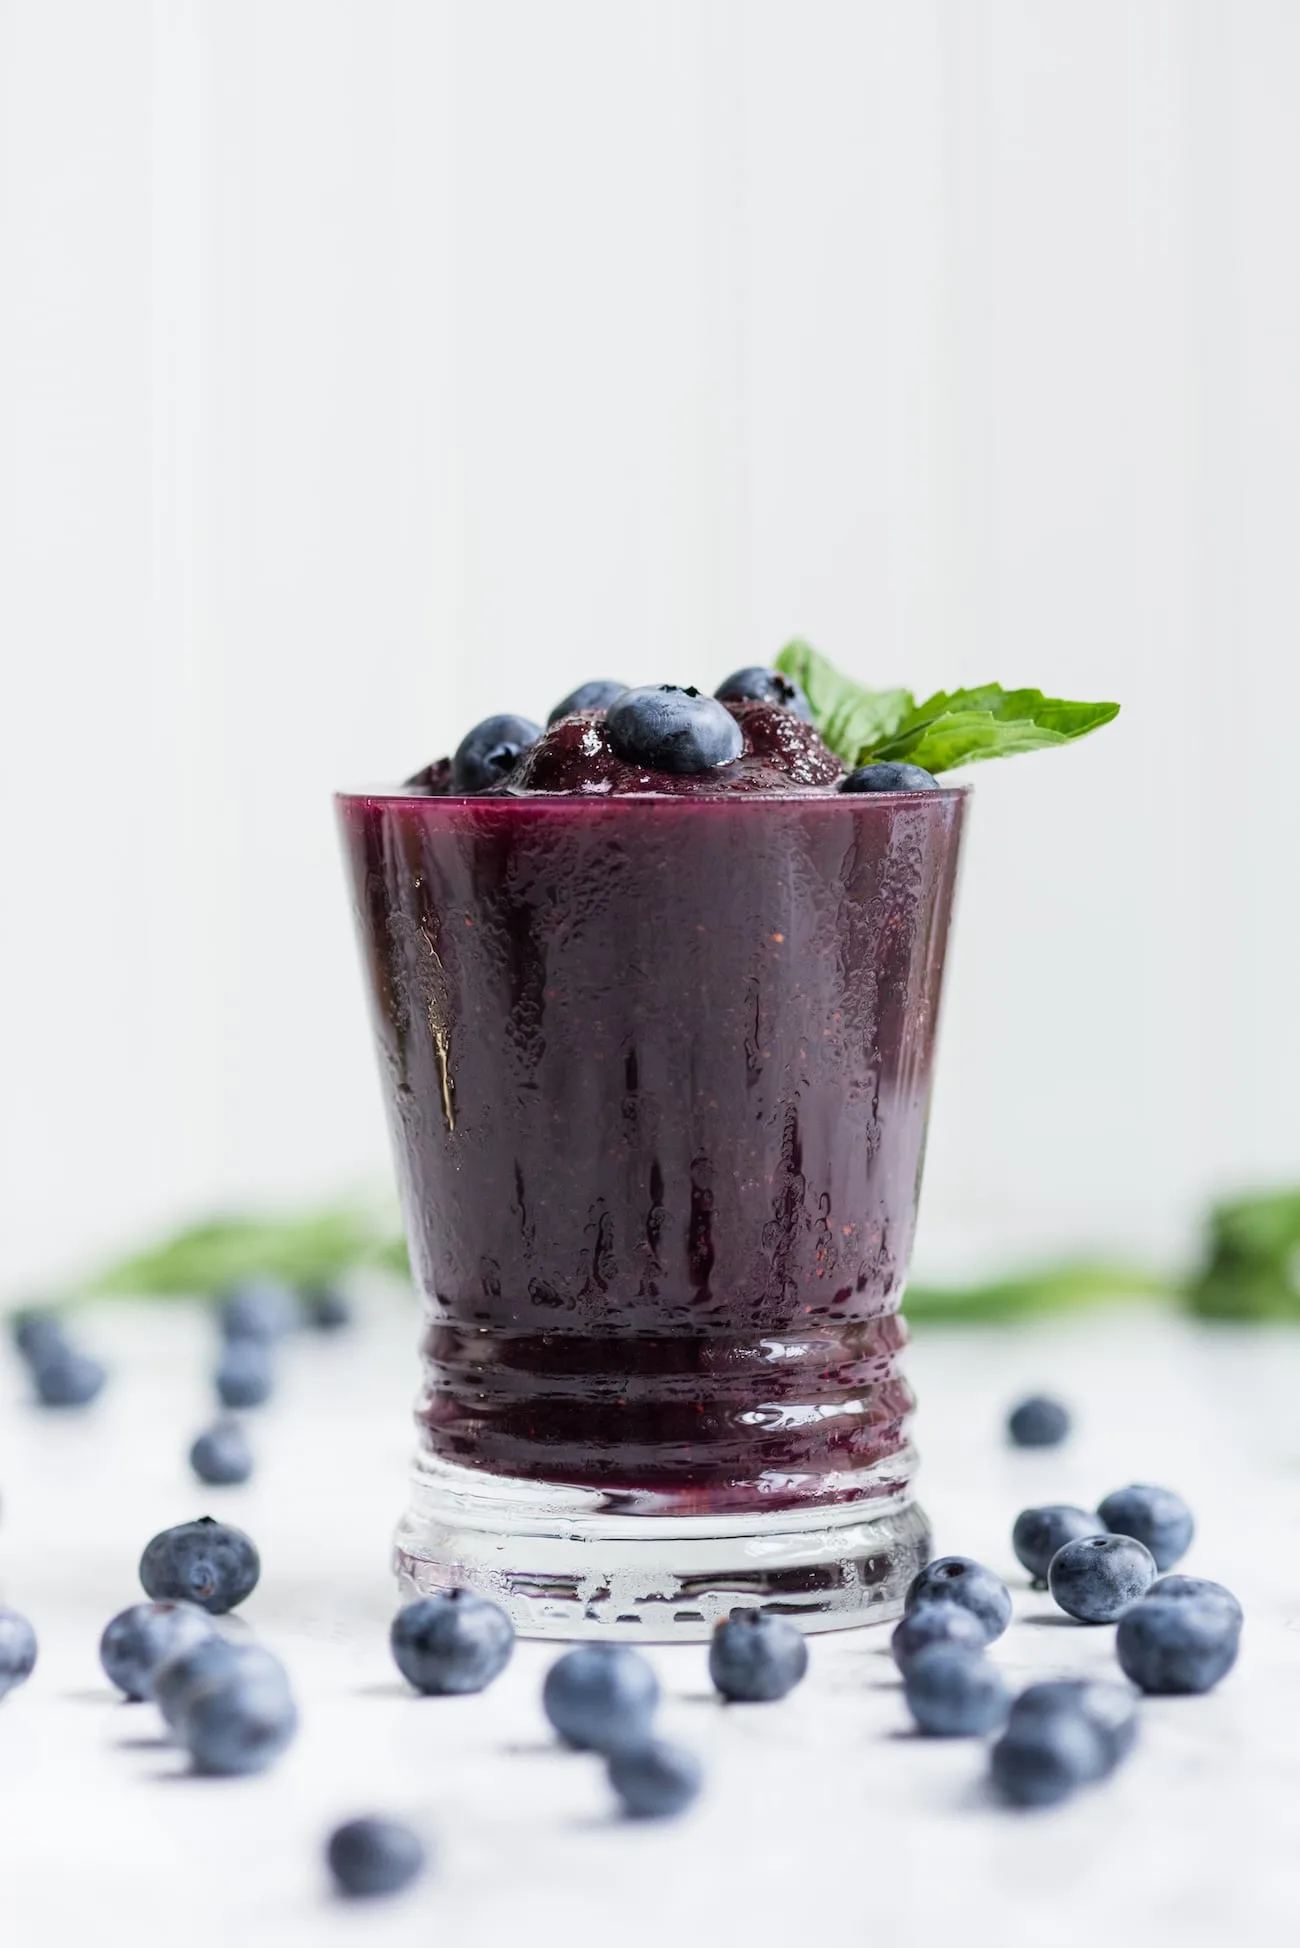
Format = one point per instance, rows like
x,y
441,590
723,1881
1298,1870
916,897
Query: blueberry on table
x,y
1111,1710
37,1334
1038,1422
204,1562
935,1623
667,728
1178,1645
1042,1762
597,695
1155,1516
221,1457
325,1308
756,1657
486,753
245,1376
17,1651
655,1780
189,1671
260,1309
758,684
452,1642
1177,1589
237,1722
140,1640
889,777
1098,1577
1040,1532
373,1856
68,1378
957,1579
954,1692
600,1697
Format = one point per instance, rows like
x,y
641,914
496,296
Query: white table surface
x,y
824,1819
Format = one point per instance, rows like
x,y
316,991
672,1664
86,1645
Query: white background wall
x,y
367,367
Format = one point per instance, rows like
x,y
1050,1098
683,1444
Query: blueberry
x,y
755,1657
68,1378
237,1722
955,1693
956,1579
1155,1516
935,1623
600,1697
1110,1709
889,777
213,1657
1039,1763
598,695
1178,1644
139,1641
246,1374
17,1651
655,1780
1038,1422
261,1309
38,1335
452,1642
1096,1578
670,729
204,1562
325,1308
374,1856
1040,1532
222,1457
1177,1589
759,685
485,754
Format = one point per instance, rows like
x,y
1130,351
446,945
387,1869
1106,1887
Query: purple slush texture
x,y
658,1072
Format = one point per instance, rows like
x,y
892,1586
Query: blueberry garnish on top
x,y
485,754
760,685
889,777
671,729
598,695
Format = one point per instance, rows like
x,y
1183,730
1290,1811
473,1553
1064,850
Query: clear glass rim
x,y
402,798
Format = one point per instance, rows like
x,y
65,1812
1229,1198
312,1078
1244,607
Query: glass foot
x,y
563,1563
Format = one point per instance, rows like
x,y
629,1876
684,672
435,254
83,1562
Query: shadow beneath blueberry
x,y
602,1822
1058,1622
698,1698
389,1688
159,1742
538,1748
883,1684
88,1696
911,1736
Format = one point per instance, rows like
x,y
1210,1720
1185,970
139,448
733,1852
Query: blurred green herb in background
x,y
1249,1266
222,1251
1065,1287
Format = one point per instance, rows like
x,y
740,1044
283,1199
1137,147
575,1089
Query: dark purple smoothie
x,y
656,1055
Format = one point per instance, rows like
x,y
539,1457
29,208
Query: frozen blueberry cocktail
x,y
655,992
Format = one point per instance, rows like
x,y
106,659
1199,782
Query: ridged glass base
x,y
563,1563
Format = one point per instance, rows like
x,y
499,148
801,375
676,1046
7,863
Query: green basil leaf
x,y
968,726
847,715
